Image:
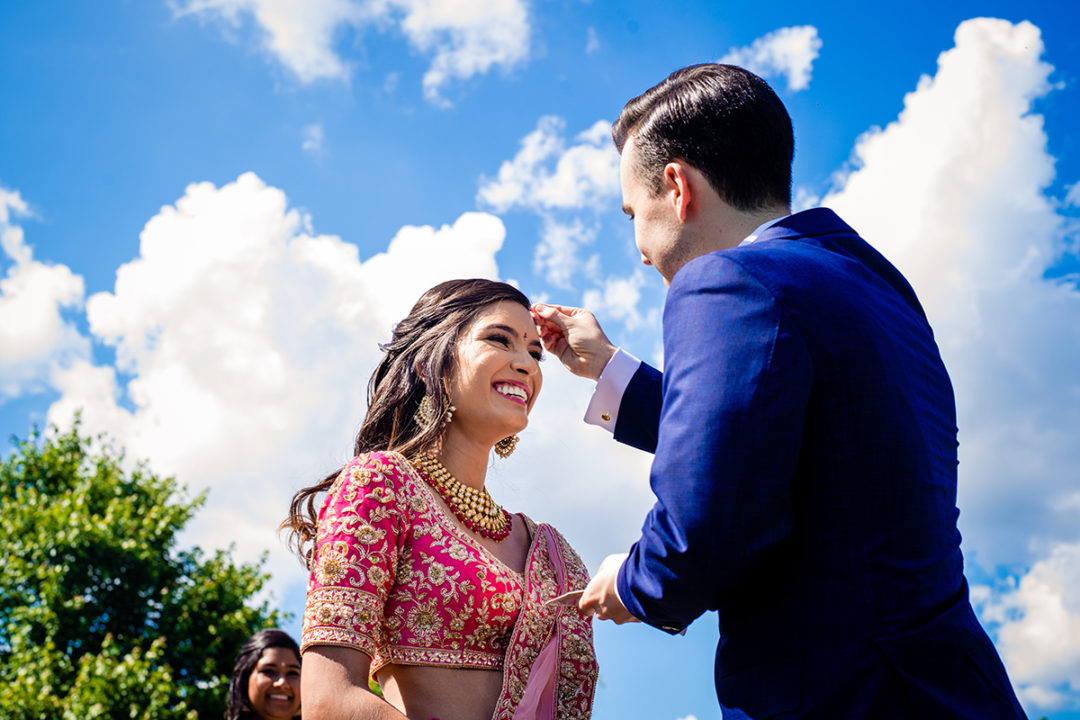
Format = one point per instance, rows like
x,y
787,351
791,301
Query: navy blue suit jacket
x,y
805,463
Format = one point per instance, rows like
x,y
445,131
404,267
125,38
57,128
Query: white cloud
x,y
463,38
249,341
1038,628
789,52
1072,198
954,193
618,299
689,717
547,173
467,38
312,138
556,257
299,34
11,239
35,337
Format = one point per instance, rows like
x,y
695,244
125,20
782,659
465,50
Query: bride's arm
x,y
334,686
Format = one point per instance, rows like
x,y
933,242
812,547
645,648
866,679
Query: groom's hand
x,y
574,336
601,597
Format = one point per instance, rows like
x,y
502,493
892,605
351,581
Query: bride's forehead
x,y
505,312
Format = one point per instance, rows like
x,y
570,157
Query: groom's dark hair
x,y
721,119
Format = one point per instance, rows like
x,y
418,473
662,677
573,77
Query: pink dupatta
x,y
550,668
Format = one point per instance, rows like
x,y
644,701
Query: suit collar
x,y
815,221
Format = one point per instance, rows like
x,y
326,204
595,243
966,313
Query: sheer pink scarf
x,y
550,669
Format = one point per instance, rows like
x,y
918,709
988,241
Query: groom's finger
x,y
564,309
552,316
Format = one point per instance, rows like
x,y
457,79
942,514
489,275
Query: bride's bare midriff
x,y
423,693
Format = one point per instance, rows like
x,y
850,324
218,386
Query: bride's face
x,y
498,372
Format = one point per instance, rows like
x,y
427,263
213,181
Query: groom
x,y
804,431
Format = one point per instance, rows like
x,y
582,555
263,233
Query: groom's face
x,y
656,230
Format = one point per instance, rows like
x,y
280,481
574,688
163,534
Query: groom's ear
x,y
680,188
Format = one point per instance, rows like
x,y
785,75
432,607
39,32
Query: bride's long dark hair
x,y
417,361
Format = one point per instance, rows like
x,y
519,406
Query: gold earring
x,y
505,447
425,413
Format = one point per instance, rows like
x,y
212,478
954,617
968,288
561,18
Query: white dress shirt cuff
x,y
603,410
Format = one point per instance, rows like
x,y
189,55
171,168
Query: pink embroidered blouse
x,y
395,577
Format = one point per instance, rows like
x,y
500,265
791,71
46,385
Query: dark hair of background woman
x,y
246,660
418,357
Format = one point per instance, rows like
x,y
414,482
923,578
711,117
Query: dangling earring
x,y
425,413
505,447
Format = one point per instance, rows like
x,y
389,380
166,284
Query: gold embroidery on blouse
x,y
424,592
331,568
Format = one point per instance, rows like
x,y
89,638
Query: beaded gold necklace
x,y
473,507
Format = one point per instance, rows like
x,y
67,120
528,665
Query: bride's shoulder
x,y
562,544
379,466
380,460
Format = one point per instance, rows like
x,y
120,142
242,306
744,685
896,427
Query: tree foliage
x,y
101,616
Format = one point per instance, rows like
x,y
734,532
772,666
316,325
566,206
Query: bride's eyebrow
x,y
513,333
504,328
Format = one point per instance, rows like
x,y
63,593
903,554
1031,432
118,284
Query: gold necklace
x,y
475,508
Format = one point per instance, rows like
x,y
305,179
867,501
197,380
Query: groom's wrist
x,y
603,410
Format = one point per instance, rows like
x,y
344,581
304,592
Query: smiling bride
x,y
419,579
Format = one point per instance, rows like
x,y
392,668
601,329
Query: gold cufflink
x,y
606,417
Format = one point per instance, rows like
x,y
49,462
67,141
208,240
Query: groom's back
x,y
874,551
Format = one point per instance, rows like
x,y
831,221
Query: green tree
x,y
101,616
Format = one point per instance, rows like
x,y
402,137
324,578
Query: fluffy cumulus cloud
x,y
36,337
466,38
618,298
548,173
557,257
561,181
1038,627
788,52
463,38
954,192
244,342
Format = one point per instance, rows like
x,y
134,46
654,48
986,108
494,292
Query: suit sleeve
x,y
736,383
639,411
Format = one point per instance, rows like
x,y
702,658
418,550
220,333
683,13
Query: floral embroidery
x,y
377,575
331,568
360,476
437,573
368,535
425,622
423,587
396,578
457,551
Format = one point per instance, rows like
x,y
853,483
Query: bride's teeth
x,y
511,390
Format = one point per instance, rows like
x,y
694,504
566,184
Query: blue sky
x,y
212,210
